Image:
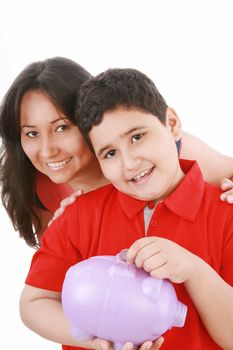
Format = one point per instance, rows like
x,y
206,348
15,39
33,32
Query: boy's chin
x,y
142,198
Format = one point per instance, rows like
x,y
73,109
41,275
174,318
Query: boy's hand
x,y
163,258
101,344
227,186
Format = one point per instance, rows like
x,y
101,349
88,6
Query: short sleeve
x,y
57,253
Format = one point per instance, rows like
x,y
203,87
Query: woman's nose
x,y
48,147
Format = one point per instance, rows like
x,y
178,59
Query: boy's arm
x,y
213,298
214,165
211,295
41,311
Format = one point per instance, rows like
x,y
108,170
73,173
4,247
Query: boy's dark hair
x,y
127,88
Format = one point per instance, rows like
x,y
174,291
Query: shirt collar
x,y
184,201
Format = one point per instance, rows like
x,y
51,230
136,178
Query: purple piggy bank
x,y
105,297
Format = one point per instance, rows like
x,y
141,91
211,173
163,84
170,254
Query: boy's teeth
x,y
139,176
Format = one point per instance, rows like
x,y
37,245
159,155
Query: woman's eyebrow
x,y
52,122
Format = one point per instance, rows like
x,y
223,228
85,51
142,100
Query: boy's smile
x,y
137,153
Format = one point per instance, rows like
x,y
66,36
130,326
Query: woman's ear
x,y
173,123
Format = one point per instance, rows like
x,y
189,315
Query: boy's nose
x,y
131,162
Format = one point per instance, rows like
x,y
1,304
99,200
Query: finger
x,y
226,184
102,344
58,212
154,262
165,272
157,343
161,272
227,196
223,196
229,199
136,247
146,346
127,346
67,201
77,193
151,250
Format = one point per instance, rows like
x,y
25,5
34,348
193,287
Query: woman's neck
x,y
91,179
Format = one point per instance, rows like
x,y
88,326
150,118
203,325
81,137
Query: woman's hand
x,y
227,187
64,203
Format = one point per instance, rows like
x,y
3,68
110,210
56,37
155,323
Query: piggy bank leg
x,y
80,335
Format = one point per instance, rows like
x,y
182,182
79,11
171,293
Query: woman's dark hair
x,y
59,78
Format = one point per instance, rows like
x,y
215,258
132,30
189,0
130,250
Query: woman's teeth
x,y
59,164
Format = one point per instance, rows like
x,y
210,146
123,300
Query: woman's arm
x,y
214,165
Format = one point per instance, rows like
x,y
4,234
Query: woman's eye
x,y
136,137
32,134
110,154
62,127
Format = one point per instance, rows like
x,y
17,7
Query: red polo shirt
x,y
105,221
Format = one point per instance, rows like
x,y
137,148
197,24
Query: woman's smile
x,y
58,164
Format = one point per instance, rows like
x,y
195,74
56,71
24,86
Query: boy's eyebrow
x,y
52,122
121,136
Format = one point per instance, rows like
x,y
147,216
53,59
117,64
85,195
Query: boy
x,y
173,223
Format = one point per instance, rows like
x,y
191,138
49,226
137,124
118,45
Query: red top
x,y
105,221
50,193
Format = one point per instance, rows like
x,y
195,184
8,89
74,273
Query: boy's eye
x,y
62,127
136,137
32,134
110,154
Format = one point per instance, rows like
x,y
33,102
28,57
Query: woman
x,y
46,91
44,157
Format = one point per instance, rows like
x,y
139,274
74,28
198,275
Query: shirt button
x,y
154,223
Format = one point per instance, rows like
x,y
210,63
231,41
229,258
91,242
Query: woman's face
x,y
54,145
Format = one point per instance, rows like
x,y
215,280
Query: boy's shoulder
x,y
212,199
100,192
96,198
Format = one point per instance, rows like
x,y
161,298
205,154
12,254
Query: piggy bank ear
x,y
151,288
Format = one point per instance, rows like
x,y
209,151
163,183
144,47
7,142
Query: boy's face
x,y
137,153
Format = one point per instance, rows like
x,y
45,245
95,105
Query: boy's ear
x,y
173,123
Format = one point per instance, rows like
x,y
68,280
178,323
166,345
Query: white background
x,y
184,46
